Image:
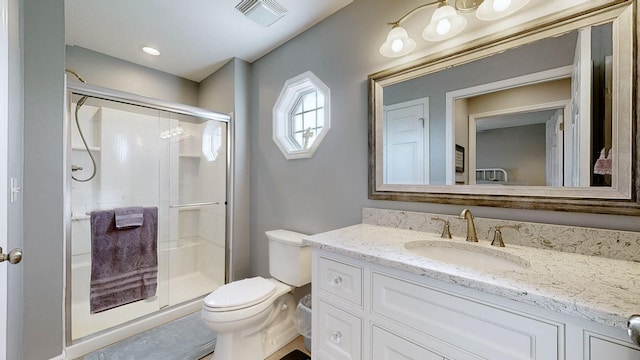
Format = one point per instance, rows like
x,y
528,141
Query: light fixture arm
x,y
410,13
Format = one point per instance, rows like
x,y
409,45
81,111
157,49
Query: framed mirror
x,y
542,117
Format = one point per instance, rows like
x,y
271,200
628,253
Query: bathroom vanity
x,y
379,293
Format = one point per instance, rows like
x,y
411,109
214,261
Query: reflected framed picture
x,y
459,159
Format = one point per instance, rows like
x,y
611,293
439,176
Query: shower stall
x,y
126,150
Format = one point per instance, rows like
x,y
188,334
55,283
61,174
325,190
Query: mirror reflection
x,y
536,115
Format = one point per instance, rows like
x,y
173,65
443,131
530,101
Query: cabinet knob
x,y
633,328
337,281
336,337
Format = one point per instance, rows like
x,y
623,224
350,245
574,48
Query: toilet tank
x,y
289,260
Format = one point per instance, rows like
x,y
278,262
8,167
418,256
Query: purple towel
x,y
129,216
124,262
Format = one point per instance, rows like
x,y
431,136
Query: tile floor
x,y
297,343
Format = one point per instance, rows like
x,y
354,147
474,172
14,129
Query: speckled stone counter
x,y
606,291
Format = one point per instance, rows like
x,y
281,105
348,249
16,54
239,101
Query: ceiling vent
x,y
263,12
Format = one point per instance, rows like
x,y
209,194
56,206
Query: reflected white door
x,y
406,142
578,143
554,151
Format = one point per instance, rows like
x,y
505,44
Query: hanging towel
x,y
129,216
124,262
603,163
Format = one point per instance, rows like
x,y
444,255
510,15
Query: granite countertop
x,y
599,289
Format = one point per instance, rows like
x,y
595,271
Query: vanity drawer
x,y
341,280
339,332
601,349
386,346
485,331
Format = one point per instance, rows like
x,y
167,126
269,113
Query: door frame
x,y
560,104
451,96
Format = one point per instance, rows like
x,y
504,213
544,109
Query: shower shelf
x,y
80,217
91,148
190,155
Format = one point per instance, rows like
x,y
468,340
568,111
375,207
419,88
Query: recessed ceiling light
x,y
151,51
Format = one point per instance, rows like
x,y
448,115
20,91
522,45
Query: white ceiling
x,y
513,120
195,37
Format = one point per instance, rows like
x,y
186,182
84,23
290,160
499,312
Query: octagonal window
x,y
301,116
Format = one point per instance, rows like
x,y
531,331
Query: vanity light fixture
x,y
446,22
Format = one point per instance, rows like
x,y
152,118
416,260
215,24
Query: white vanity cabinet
x,y
366,311
338,314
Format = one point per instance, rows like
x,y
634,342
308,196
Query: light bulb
x,y
445,23
443,27
491,10
397,45
501,5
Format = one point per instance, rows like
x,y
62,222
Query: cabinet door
x,y
339,332
387,346
600,349
485,331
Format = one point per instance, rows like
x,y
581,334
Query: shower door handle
x,y
14,256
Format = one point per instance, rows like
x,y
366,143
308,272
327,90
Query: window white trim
x,y
291,91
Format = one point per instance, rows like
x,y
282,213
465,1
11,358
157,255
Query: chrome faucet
x,y
471,228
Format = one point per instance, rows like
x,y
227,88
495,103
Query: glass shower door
x,y
197,209
150,158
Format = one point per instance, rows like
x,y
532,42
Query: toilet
x,y
254,317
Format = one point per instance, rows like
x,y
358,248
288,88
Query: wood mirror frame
x,y
621,199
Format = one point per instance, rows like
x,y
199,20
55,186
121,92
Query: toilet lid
x,y
240,294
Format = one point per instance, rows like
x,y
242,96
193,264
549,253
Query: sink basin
x,y
467,255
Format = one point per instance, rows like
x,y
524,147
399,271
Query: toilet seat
x,y
225,315
240,294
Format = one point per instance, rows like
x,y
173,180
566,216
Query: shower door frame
x,y
75,347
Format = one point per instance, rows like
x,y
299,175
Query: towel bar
x,y
193,204
182,205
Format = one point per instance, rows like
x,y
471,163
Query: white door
x,y
406,143
554,149
10,346
578,159
4,150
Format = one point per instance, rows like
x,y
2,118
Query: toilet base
x,y
253,345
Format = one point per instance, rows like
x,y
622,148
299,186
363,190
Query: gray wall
x,y
329,190
106,71
228,90
43,177
521,150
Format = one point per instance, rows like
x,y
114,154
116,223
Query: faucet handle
x,y
497,236
446,231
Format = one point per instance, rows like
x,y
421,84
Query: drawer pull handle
x,y
336,337
337,281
